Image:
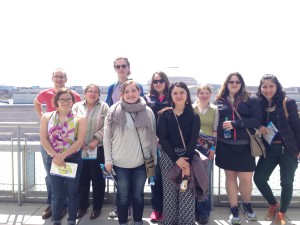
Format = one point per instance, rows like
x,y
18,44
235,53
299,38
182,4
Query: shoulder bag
x,y
256,144
149,163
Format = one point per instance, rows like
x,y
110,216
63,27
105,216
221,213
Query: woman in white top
x,y
129,124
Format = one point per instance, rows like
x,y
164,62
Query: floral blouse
x,y
61,137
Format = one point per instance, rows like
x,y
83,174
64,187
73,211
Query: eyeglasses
x,y
59,77
119,66
234,81
62,100
158,81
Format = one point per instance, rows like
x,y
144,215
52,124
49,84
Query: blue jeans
x,y
61,185
130,184
203,208
157,190
47,181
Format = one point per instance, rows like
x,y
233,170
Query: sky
x,y
206,40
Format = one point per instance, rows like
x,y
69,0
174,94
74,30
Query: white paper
x,y
89,154
69,170
271,132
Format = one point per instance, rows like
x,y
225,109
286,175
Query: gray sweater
x,y
123,149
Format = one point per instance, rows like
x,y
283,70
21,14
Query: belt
x,y
277,142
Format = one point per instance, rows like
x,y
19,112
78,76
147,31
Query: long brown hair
x,y
242,94
164,77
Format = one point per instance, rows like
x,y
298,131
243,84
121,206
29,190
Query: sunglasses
x,y
119,66
158,81
234,81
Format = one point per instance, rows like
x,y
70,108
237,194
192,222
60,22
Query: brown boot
x,y
273,209
280,219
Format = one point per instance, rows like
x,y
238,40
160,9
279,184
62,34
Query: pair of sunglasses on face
x,y
123,66
161,81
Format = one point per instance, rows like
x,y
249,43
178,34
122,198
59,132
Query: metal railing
x,y
20,151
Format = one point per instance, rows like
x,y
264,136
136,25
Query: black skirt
x,y
234,157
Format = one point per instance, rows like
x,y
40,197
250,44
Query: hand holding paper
x,y
271,132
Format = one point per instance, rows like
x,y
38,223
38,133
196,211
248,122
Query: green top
x,y
209,119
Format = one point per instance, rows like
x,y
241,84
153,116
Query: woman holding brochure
x,y
62,135
94,110
284,146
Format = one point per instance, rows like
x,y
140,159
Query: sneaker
x,y
247,209
234,218
155,216
280,219
113,213
272,211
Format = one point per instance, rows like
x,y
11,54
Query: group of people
x,y
130,127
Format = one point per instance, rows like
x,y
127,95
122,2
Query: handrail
x,y
18,126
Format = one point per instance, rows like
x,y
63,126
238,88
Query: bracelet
x,y
212,148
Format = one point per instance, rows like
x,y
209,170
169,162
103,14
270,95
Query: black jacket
x,y
250,113
289,128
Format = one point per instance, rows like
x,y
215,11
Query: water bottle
x,y
227,133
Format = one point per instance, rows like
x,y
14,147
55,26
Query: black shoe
x,y
203,221
81,213
63,212
95,214
47,213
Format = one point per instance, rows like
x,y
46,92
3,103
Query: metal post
x,y
19,165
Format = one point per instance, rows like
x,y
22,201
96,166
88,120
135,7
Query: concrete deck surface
x,y
30,214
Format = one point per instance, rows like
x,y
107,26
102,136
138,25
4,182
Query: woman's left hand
x,y
93,144
59,160
211,154
227,125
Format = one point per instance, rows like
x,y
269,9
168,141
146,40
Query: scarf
x,y
117,118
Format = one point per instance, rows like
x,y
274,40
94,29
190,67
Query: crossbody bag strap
x,y
183,142
138,137
284,107
240,119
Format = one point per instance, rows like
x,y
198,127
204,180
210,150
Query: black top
x,y
154,103
250,113
169,136
289,128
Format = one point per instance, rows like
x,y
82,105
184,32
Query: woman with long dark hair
x,y
233,153
284,148
179,207
157,100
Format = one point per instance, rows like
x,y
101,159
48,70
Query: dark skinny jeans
x,y
276,154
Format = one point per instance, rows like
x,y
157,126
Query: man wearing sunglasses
x,y
59,79
122,67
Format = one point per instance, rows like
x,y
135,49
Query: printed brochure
x,y
69,170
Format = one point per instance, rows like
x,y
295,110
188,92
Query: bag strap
x,y
239,116
183,142
284,107
138,137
